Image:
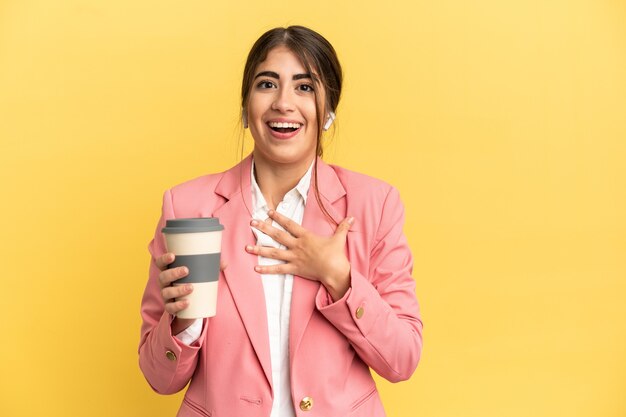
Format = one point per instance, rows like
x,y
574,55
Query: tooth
x,y
283,125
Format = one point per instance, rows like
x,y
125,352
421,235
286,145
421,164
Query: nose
x,y
283,102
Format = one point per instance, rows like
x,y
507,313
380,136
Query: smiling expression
x,y
281,110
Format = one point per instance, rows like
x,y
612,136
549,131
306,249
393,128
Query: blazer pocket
x,y
195,408
358,403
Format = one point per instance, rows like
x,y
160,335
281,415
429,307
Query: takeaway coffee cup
x,y
197,244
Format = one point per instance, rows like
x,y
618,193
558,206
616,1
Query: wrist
x,y
178,325
338,285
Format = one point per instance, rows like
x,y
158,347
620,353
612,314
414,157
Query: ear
x,y
330,120
244,118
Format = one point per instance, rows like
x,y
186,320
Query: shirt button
x,y
170,355
359,312
306,404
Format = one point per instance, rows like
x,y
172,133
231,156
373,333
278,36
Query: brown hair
x,y
320,60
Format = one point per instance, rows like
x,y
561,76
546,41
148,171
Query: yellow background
x,y
503,124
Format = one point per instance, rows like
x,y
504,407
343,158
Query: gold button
x,y
359,312
170,355
306,404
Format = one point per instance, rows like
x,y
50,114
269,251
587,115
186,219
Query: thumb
x,y
344,226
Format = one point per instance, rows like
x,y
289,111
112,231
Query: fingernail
x,y
189,287
350,220
254,223
257,268
249,248
270,212
185,270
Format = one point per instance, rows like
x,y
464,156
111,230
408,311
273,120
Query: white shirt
x,y
277,290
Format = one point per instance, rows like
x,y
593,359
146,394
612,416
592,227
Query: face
x,y
281,111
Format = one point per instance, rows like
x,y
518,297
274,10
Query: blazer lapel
x,y
305,290
244,283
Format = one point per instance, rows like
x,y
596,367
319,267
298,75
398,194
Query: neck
x,y
275,180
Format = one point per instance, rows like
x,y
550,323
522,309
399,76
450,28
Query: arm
x,y
167,373
379,314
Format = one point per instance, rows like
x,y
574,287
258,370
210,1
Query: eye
x,y
265,85
308,88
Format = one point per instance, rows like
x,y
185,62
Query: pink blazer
x,y
331,347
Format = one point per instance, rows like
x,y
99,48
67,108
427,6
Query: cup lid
x,y
195,225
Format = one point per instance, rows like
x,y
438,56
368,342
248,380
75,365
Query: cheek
x,y
311,133
311,114
256,106
253,111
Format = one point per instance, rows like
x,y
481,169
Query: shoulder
x,y
206,182
374,203
224,183
195,197
363,188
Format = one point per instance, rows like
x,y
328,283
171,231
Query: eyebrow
x,y
272,74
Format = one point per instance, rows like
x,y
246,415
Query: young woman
x,y
316,285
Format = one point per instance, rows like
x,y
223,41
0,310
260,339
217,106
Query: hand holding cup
x,y
168,291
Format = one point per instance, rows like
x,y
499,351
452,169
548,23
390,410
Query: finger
x,y
289,225
343,227
164,260
170,275
276,269
176,306
278,235
223,265
268,252
176,291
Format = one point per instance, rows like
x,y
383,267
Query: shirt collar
x,y
301,189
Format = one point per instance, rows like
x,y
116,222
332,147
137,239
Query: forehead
x,y
281,59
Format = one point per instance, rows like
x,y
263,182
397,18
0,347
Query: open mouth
x,y
282,127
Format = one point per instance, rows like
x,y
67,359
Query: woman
x,y
316,284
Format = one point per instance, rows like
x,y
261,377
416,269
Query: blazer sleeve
x,y
166,362
379,314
